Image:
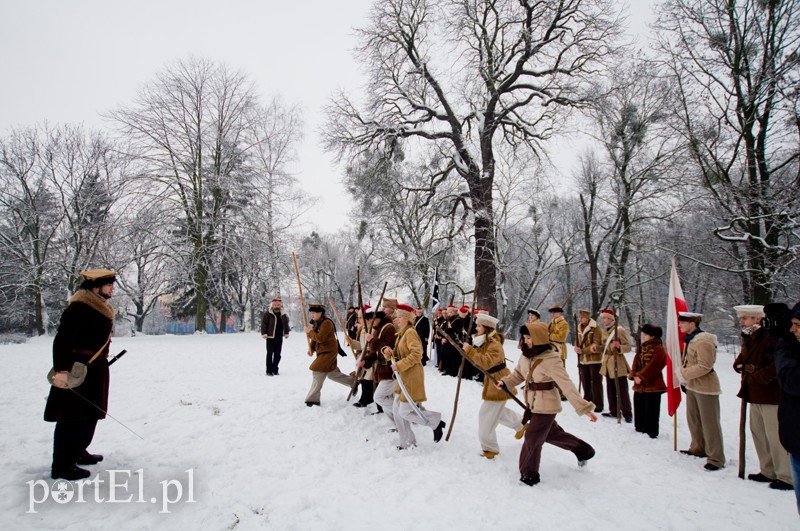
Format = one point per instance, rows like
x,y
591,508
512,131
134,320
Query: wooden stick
x,y
486,373
463,361
742,437
302,303
339,322
368,326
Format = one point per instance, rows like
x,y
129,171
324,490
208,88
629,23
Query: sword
x,y
408,397
115,358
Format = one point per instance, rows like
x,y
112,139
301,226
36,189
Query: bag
x,y
75,376
77,373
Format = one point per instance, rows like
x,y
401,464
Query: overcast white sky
x,y
70,60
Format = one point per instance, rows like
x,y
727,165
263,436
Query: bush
x,y
10,338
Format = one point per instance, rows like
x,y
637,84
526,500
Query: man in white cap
x,y
760,389
702,391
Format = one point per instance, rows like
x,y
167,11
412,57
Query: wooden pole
x,y
339,322
302,302
742,437
463,361
675,431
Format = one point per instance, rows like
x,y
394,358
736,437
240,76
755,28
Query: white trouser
x,y
492,413
404,416
384,397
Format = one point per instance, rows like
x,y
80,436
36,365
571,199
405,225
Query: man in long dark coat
x,y
84,336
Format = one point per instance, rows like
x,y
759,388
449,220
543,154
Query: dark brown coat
x,y
269,323
648,365
383,335
84,328
759,376
323,341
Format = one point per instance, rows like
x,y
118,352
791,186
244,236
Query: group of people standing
x,y
391,348
391,353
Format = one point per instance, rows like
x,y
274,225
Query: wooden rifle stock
x,y
494,380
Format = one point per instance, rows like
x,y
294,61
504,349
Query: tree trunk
x,y
485,248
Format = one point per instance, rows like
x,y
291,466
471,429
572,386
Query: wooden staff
x,y
616,365
368,326
486,373
339,322
544,298
302,302
742,432
578,345
463,360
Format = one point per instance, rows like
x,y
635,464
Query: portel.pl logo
x,y
121,486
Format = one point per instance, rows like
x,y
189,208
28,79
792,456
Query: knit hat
x,y
652,330
485,319
749,310
463,311
405,311
608,312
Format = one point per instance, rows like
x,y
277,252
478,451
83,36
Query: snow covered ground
x,y
258,458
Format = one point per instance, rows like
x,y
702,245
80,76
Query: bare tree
x,y
465,75
30,220
190,126
736,64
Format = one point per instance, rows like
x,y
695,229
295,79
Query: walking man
x,y
274,329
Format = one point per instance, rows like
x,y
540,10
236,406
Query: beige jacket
x,y
408,355
588,336
559,330
697,367
614,363
549,369
491,356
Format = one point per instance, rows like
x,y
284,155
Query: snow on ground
x,y
255,457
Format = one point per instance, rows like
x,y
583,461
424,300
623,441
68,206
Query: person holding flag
x,y
702,391
673,344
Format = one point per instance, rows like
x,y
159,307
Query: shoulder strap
x,y
101,350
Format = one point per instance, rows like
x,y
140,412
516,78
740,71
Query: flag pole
x,y
675,432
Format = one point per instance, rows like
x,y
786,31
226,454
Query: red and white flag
x,y
674,341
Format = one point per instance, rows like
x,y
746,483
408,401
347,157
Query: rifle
x,y
461,367
578,345
302,302
494,380
368,328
